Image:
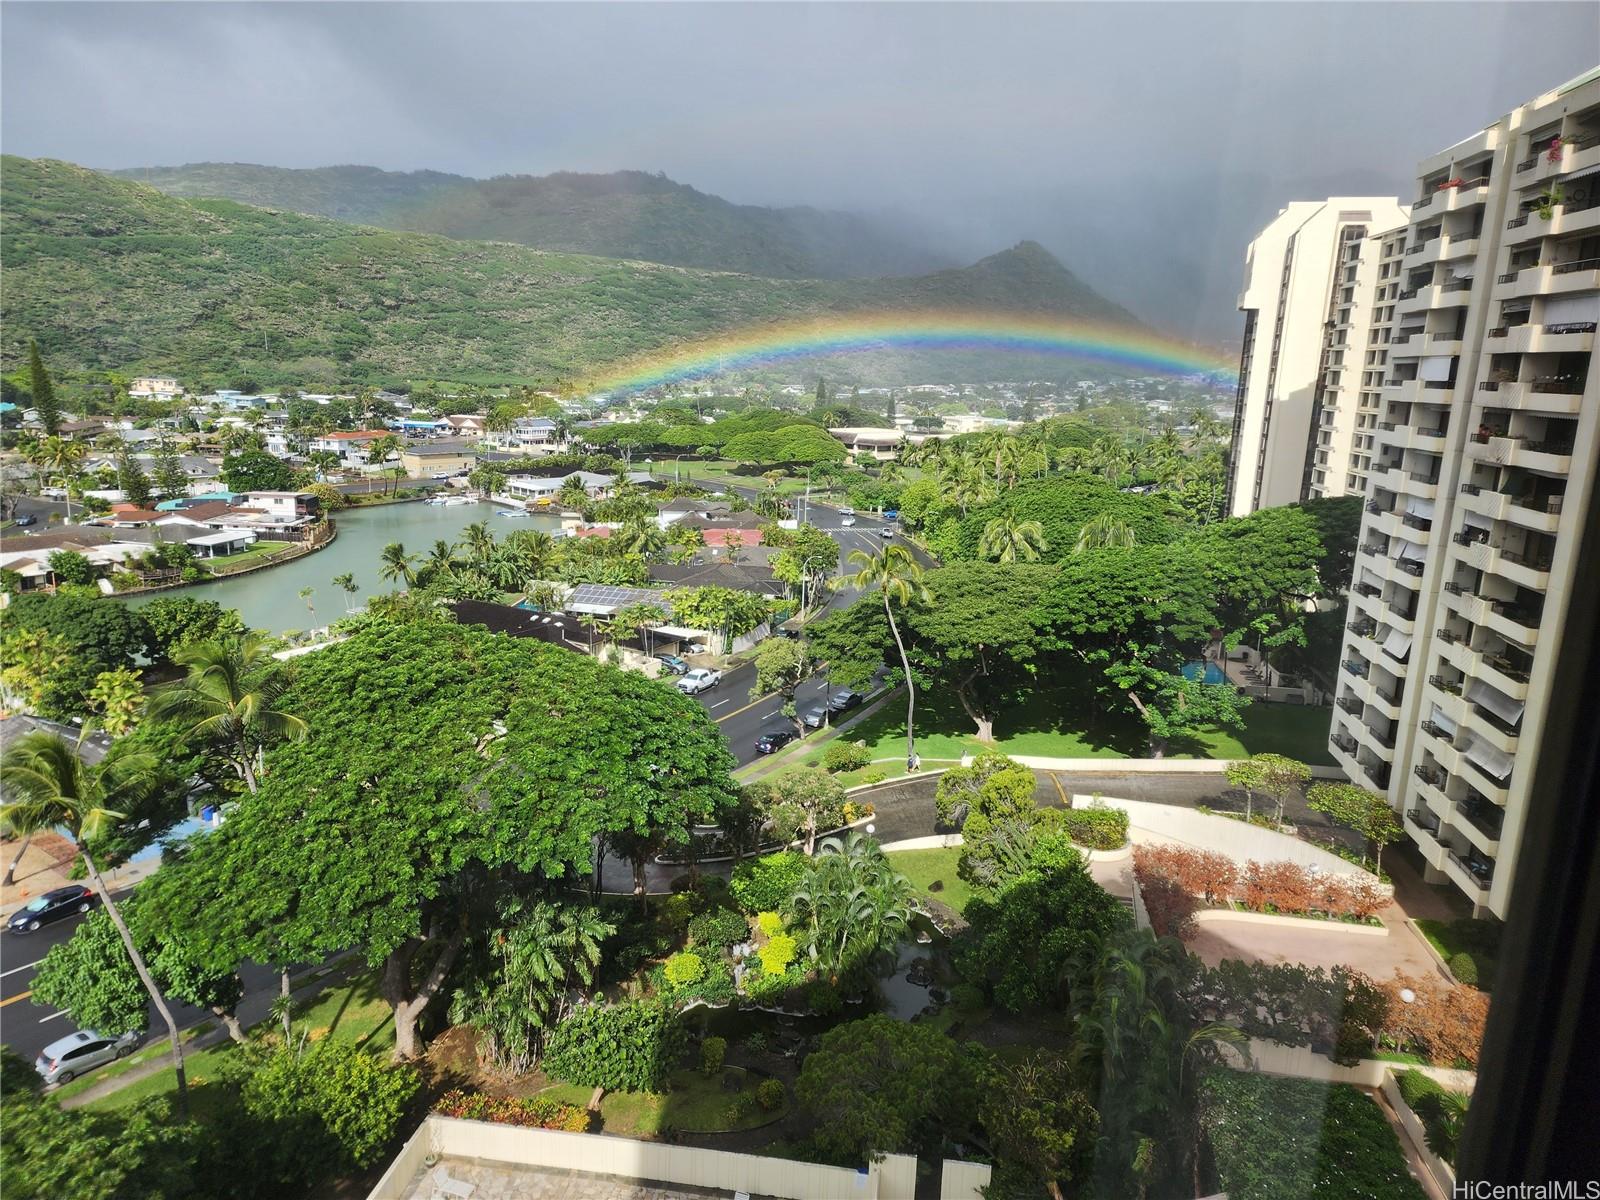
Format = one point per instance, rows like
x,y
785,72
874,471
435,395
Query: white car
x,y
886,532
64,1060
847,519
847,512
701,679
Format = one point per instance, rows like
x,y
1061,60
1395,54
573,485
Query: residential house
x,y
438,457
155,387
465,424
538,488
881,444
29,555
351,445
743,577
527,435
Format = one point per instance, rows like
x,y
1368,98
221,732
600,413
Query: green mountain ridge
x,y
624,214
110,274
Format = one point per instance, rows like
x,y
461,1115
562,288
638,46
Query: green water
x,y
271,600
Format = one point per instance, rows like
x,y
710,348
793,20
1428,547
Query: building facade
x,y
1486,453
1310,280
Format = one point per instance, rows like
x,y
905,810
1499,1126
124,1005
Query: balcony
x,y
1362,626
1445,685
1550,394
1481,823
1343,741
1377,774
1471,875
1573,337
1424,820
1350,705
1370,590
1530,512
1356,667
1580,275
1517,450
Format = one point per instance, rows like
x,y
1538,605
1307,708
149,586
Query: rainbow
x,y
772,345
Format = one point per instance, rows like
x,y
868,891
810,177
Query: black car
x,y
774,739
51,906
844,701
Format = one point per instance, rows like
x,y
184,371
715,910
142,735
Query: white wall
x,y
894,1178
1236,839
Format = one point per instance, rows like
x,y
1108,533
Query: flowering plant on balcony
x,y
1451,183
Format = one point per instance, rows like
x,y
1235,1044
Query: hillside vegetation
x,y
625,214
110,274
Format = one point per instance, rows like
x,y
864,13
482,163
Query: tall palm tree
x,y
382,449
640,537
1006,539
230,697
322,462
535,549
1102,531
347,583
49,786
441,559
897,577
852,903
478,541
397,566
63,458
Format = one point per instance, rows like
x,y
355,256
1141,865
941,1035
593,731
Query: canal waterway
x,y
270,599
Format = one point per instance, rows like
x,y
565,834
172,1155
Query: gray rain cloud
x,y
1142,143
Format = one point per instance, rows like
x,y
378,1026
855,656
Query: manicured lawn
x,y
1050,724
228,562
695,1102
1480,939
1275,1137
350,1011
924,868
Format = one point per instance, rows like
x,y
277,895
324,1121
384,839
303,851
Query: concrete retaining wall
x,y
1238,840
1302,1062
894,1178
1309,925
1143,766
1441,1171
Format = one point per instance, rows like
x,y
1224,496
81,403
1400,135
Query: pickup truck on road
x,y
701,679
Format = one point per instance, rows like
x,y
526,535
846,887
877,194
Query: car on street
x,y
697,648
844,700
65,1059
886,532
847,520
672,663
847,512
836,705
770,741
26,519
441,474
701,679
52,906
890,514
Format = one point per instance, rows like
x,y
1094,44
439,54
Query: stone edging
x,y
1223,916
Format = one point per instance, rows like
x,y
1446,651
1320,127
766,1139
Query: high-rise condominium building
x,y
1310,283
1486,456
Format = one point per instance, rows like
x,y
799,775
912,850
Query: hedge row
x,y
1283,887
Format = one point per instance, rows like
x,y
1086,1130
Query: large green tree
x,y
49,785
256,471
881,1086
99,635
44,391
437,757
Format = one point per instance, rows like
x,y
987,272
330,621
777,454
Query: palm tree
x,y
305,594
1006,539
852,904
478,541
381,449
322,461
441,560
640,537
347,582
230,697
49,786
1102,531
572,494
897,577
64,458
535,549
398,566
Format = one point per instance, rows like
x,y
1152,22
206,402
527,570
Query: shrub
x,y
673,913
537,1112
1097,828
1416,1089
718,928
715,987
1465,968
740,1107
845,756
343,1095
755,1042
876,775
1198,872
854,812
766,988
777,954
712,1051
994,854
627,1047
770,923
993,786
769,1094
768,883
1444,1022
1169,907
1338,1012
684,968
967,998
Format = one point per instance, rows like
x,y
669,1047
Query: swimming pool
x,y
1204,672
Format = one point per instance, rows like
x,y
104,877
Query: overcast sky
x,y
1156,135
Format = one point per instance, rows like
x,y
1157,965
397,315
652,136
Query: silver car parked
x,y
64,1060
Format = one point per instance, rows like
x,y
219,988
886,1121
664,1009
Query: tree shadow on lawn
x,y
1058,722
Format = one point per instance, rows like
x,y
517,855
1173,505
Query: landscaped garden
x,y
1470,947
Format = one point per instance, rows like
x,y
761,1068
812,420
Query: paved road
x,y
28,1027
